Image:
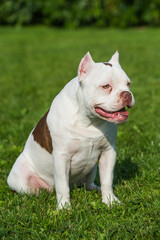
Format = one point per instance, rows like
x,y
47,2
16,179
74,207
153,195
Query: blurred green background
x,y
75,13
35,64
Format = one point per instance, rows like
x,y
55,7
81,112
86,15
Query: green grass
x,y
35,63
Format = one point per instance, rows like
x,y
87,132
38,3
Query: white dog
x,y
79,129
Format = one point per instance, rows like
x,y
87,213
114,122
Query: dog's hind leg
x,y
23,178
89,180
36,183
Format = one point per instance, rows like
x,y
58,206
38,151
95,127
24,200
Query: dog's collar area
x,y
107,64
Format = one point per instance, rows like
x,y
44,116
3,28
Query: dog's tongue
x,y
116,115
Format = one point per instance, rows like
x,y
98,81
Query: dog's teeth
x,y
119,114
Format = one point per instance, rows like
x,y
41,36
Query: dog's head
x,y
105,88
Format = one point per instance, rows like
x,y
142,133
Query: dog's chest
x,y
85,154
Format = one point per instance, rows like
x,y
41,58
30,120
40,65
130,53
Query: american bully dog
x,y
79,129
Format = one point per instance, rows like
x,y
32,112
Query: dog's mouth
x,y
117,116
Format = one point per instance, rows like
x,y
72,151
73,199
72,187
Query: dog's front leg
x,y
106,170
61,168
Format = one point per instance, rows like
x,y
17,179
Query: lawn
x,y
35,64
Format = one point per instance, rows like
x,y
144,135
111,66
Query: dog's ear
x,y
115,58
85,66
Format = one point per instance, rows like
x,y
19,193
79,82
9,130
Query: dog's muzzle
x,y
126,98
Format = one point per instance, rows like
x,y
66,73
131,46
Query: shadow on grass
x,y
125,170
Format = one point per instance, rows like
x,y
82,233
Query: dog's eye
x,y
106,86
129,84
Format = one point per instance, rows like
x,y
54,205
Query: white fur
x,y
79,136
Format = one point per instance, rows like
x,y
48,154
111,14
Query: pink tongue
x,y
111,115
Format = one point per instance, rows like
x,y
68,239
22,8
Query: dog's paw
x,y
93,187
110,199
63,205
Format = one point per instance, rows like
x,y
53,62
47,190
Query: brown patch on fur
x,y
109,64
42,135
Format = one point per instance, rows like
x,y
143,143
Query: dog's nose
x,y
126,97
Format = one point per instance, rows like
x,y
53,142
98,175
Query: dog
x,y
79,129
